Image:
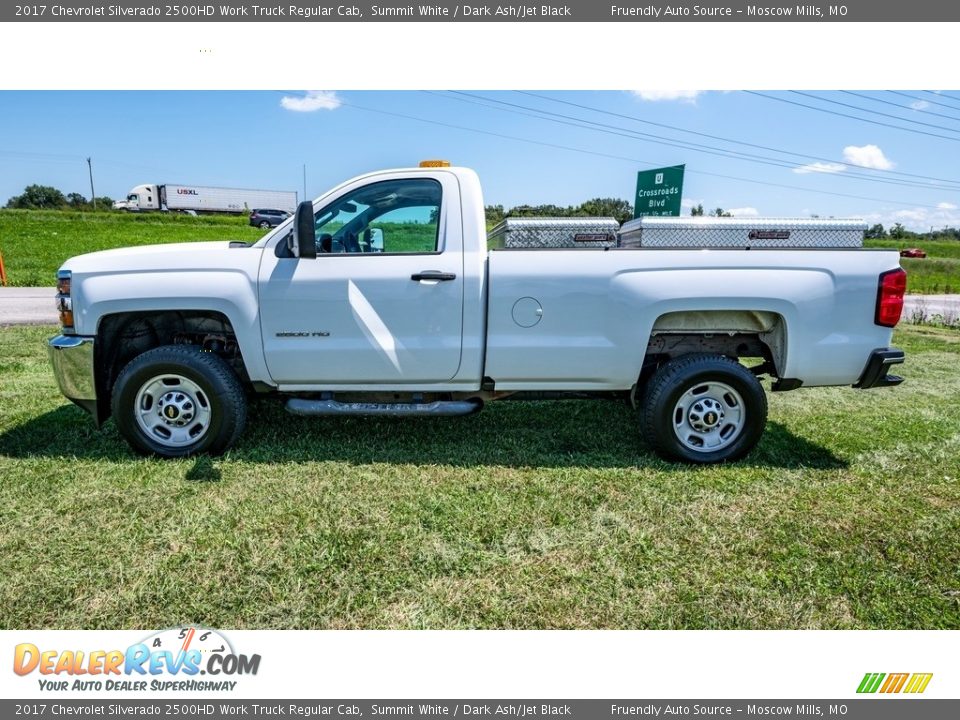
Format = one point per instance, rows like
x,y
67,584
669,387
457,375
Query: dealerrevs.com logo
x,y
178,659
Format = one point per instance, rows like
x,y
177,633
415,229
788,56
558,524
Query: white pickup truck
x,y
381,298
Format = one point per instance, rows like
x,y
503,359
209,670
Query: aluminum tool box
x,y
721,232
562,232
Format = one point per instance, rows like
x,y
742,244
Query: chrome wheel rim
x,y
708,417
172,410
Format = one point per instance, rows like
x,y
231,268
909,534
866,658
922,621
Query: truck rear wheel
x,y
703,408
177,401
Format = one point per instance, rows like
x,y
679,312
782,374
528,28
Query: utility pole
x,y
93,196
304,181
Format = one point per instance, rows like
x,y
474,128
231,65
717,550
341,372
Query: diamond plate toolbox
x,y
721,232
561,232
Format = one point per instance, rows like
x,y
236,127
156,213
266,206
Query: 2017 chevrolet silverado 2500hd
x,y
381,298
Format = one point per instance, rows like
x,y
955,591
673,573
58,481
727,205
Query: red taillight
x,y
890,292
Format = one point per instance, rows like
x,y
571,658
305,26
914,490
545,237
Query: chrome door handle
x,y
433,275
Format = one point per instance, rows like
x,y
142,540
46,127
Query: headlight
x,y
63,299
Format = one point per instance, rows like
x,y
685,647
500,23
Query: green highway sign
x,y
659,192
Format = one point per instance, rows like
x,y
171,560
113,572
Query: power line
x,y
619,131
730,140
671,142
628,159
51,157
902,107
873,112
925,100
32,156
941,95
852,117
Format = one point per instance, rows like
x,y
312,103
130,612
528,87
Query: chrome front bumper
x,y
72,359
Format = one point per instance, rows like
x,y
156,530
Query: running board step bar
x,y
439,408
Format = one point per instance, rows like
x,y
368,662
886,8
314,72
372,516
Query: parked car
x,y
913,253
266,218
382,299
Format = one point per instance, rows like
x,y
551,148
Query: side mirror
x,y
303,240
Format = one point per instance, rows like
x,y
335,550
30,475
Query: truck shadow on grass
x,y
568,434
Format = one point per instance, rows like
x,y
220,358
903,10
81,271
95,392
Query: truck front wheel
x,y
177,401
703,408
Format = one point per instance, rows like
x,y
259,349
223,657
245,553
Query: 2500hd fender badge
x,y
318,333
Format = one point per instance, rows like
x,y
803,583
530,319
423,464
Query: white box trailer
x,y
207,199
741,233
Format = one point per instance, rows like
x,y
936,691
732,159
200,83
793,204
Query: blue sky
x,y
262,139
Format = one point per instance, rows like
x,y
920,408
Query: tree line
x,y
622,210
45,197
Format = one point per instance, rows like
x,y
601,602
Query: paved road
x,y
34,306
923,307
28,306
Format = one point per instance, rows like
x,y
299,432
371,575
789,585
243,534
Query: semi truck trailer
x,y
206,199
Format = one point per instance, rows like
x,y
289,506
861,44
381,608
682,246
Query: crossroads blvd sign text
x,y
659,192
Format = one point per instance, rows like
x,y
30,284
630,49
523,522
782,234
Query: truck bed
x,y
582,319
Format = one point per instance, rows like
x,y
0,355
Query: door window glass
x,y
394,216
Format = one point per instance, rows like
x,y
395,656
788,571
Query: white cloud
x,y
312,101
914,216
918,219
919,105
819,167
689,96
867,156
744,212
946,206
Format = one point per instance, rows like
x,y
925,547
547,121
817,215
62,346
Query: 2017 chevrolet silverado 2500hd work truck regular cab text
x,y
381,298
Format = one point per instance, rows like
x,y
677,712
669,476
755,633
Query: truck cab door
x,y
382,303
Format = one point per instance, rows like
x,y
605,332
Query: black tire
x,y
664,419
264,225
219,395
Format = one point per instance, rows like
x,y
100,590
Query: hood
x,y
197,276
170,257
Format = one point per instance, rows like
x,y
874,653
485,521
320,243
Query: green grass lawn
x,y
936,274
549,515
35,243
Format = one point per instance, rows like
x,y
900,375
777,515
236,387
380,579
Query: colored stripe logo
x,y
894,683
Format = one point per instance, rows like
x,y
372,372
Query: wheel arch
x,y
123,336
734,333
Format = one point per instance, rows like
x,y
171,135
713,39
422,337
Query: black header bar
x,y
446,11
